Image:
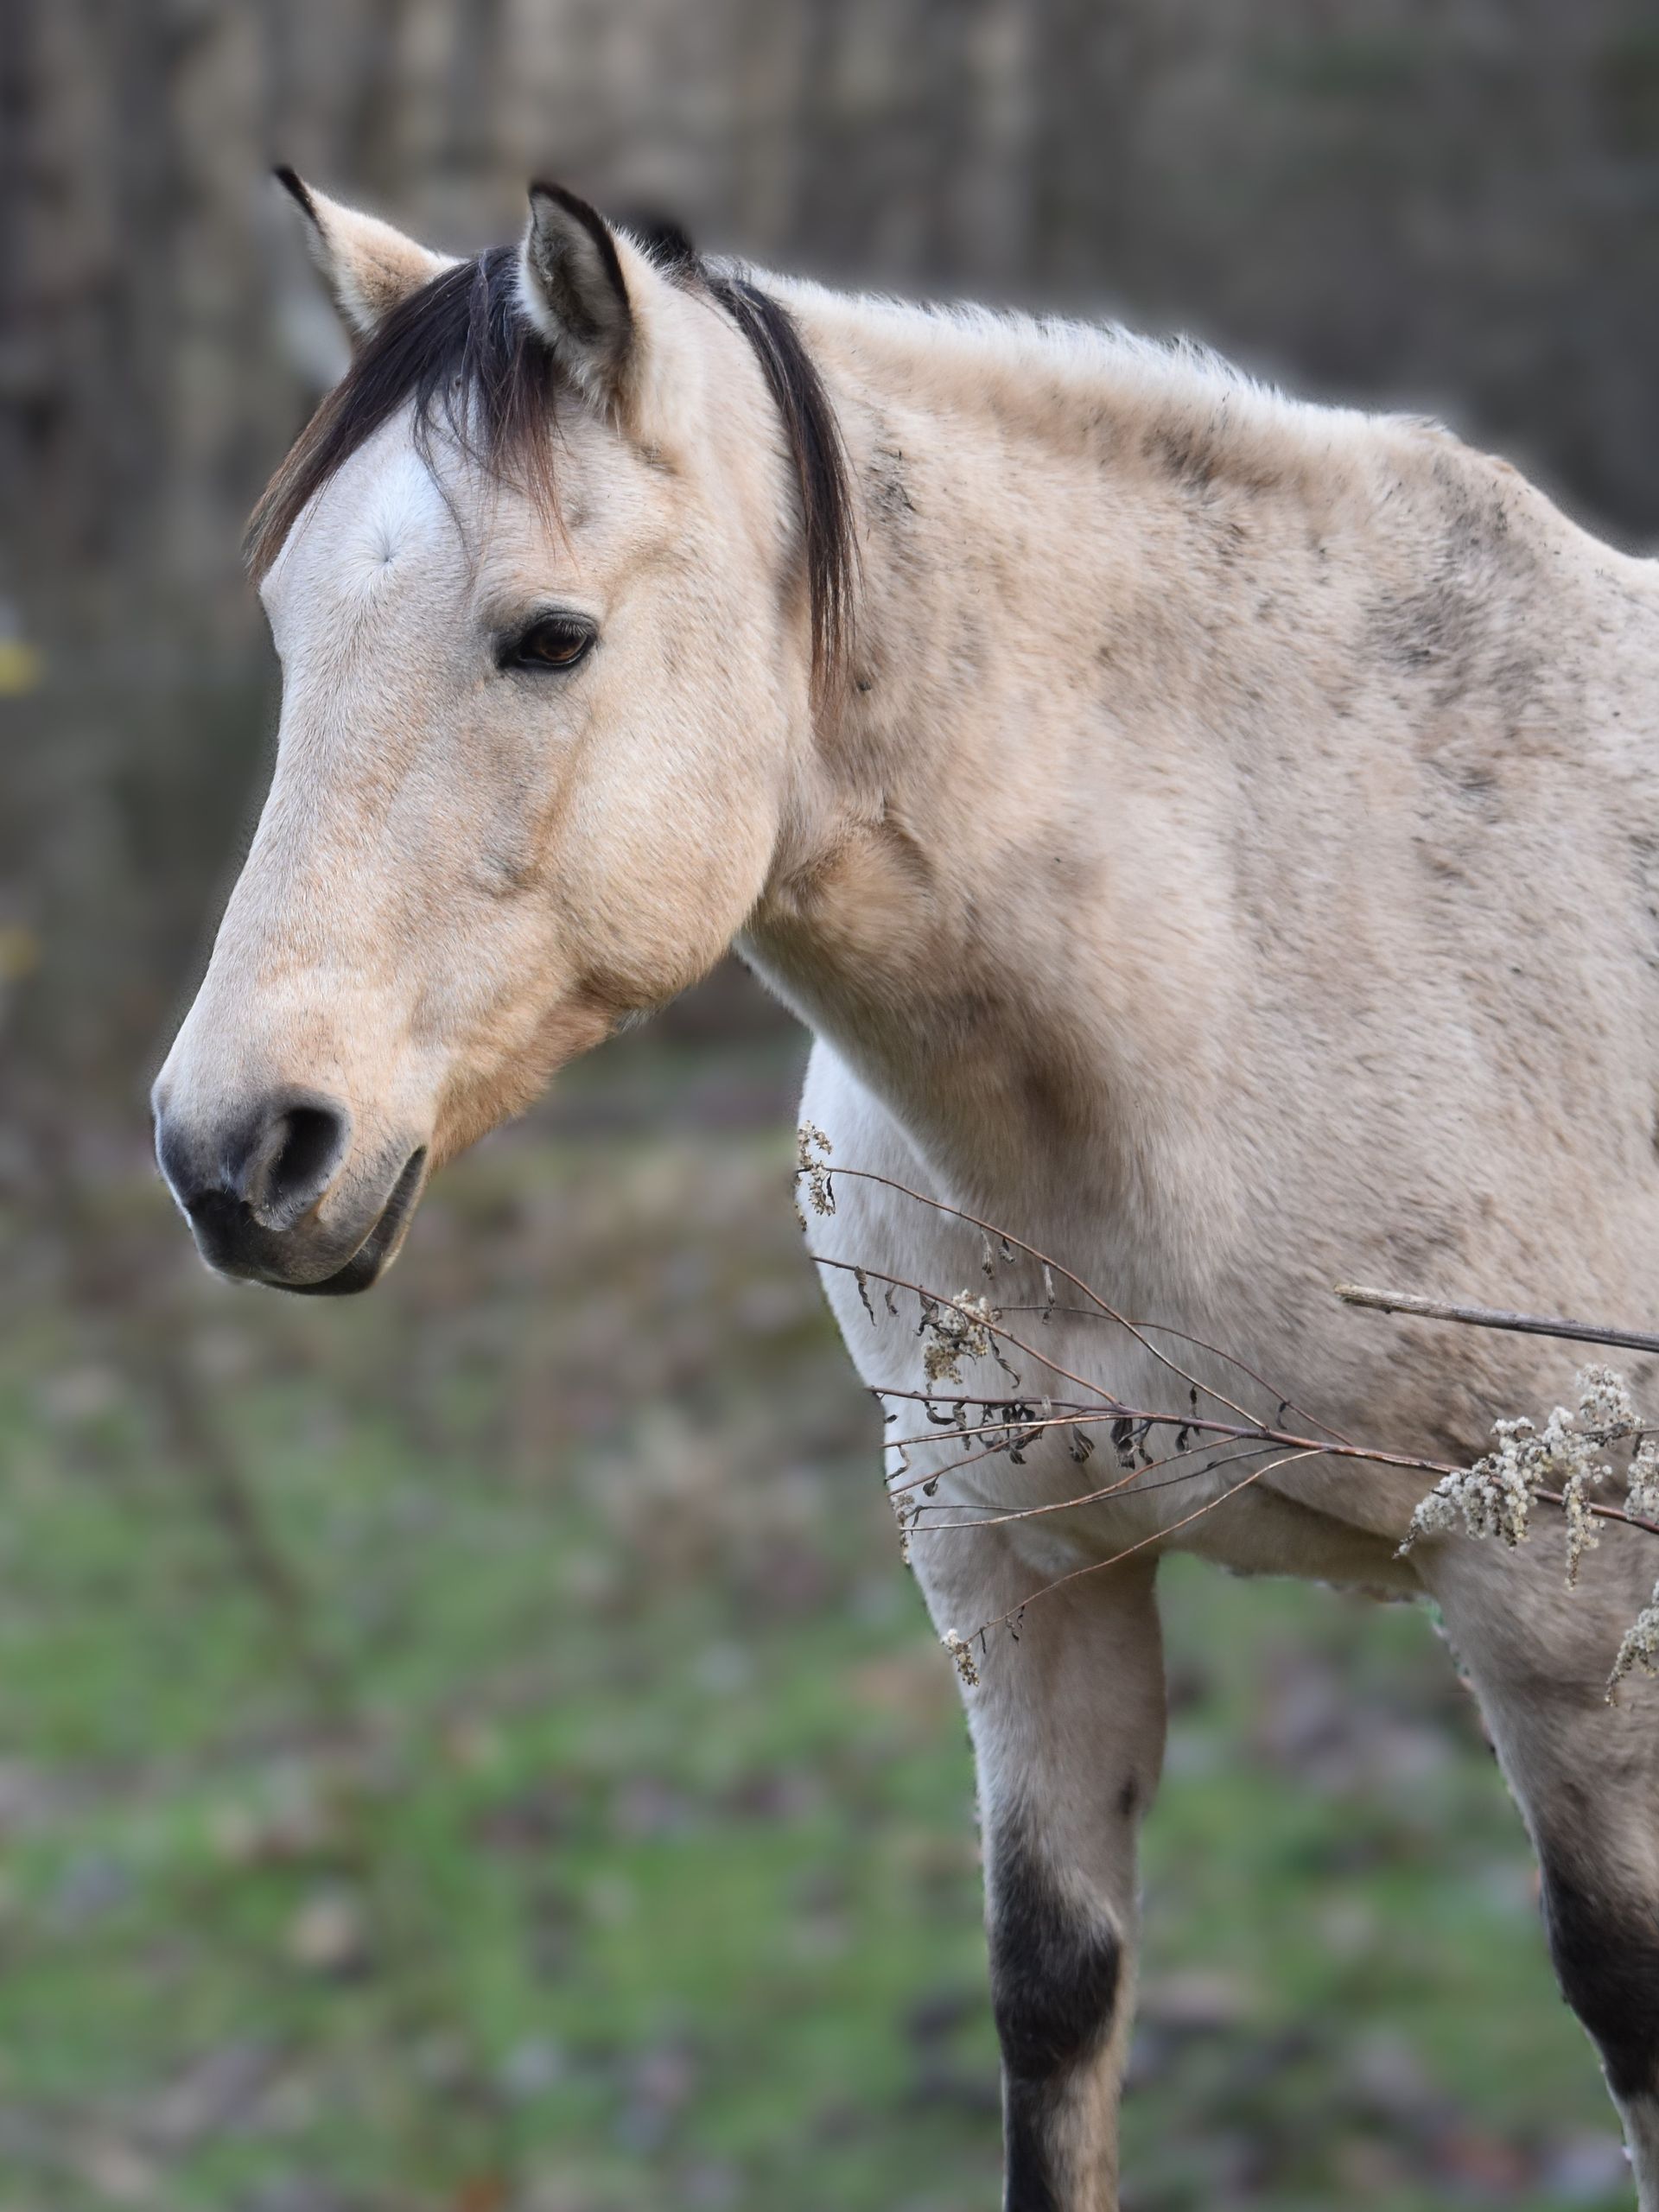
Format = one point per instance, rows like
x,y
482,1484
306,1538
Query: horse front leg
x,y
1587,1776
1068,1731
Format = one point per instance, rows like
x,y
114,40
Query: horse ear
x,y
369,267
576,290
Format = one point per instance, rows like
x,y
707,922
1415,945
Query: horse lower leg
x,y
1068,1729
1587,1776
1060,1986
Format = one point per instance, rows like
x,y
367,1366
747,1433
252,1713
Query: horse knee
x,y
1055,1967
1605,1950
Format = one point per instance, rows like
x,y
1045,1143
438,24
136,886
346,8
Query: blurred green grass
x,y
475,1750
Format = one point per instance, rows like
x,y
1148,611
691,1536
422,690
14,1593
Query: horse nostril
x,y
294,1159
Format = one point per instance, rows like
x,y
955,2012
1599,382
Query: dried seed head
x,y
957,1329
1639,1649
963,1653
1643,1496
812,1167
1604,1404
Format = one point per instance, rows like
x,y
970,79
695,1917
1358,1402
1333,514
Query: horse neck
x,y
1104,594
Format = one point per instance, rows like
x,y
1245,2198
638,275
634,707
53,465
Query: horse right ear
x,y
369,267
574,292
610,308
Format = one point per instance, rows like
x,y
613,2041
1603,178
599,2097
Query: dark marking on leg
x,y
1606,1955
1128,1799
1028,2179
1054,1978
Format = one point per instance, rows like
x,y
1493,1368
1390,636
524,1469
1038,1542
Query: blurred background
x,y
476,1750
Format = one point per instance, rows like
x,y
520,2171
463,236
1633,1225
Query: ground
x,y
476,1750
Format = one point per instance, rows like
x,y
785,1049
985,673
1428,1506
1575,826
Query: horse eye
x,y
557,641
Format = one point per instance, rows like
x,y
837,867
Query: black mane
x,y
461,350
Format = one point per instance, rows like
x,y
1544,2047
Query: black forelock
x,y
461,351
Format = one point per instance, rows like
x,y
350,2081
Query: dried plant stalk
x,y
1561,1465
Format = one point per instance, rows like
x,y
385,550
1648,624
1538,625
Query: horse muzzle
x,y
273,1194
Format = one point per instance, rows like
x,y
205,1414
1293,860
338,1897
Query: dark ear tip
x,y
571,202
294,184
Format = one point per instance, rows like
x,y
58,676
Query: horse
x,y
1212,838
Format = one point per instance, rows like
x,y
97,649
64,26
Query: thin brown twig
x,y
991,1451
948,1432
1031,1512
1007,1236
1201,1343
1601,1512
1256,1431
1494,1317
1117,1410
1264,1439
937,1298
1209,1443
1168,1329
981,1397
1248,1437
1067,1504
1158,1536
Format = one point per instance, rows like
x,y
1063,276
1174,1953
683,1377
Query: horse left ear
x,y
369,267
580,284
